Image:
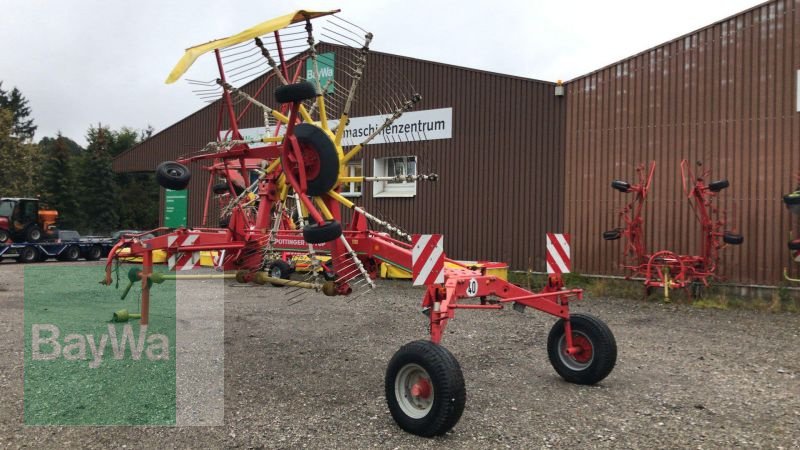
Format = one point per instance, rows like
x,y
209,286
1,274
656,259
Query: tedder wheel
x,y
173,175
716,186
28,255
33,233
622,186
71,253
732,238
3,236
425,389
597,352
320,159
94,253
315,233
279,269
296,92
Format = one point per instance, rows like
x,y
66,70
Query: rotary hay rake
x,y
280,194
792,202
667,269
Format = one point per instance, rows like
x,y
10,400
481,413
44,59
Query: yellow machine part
x,y
261,29
499,270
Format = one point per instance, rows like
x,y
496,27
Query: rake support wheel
x,y
596,352
425,389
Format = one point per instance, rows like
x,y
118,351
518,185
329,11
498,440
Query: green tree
x,y
60,189
23,127
98,188
19,161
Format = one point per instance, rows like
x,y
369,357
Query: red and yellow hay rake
x,y
667,269
281,195
792,202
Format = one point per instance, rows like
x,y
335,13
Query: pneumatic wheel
x,y
4,237
279,269
320,159
596,350
315,233
94,253
71,253
28,254
425,389
296,92
33,233
173,175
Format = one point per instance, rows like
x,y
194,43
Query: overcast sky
x,y
81,62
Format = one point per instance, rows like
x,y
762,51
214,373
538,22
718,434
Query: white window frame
x,y
349,189
384,189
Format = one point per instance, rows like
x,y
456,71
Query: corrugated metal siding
x,y
501,175
724,95
501,185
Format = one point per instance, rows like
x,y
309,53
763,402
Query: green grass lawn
x,y
124,391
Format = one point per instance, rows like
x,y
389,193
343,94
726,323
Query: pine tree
x,y
99,192
59,182
19,161
23,127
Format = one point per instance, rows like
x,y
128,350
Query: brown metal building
x,y
725,95
522,161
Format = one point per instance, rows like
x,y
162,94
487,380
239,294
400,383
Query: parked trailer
x,y
69,247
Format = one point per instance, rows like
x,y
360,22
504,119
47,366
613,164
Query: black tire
x,y
622,186
327,271
296,92
94,253
716,186
222,188
28,254
439,415
732,238
583,368
173,175
33,233
612,235
794,245
319,234
4,236
71,253
312,137
279,269
792,199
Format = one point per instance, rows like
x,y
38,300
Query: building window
x,y
354,169
401,166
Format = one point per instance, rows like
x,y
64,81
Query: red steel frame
x,y
665,268
247,232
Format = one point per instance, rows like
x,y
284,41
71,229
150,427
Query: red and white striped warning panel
x,y
427,259
183,260
558,257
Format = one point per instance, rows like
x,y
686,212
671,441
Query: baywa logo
x,y
47,346
82,369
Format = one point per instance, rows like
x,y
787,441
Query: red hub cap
x,y
584,346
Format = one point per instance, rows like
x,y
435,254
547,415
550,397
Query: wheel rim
x,y
275,272
35,235
581,359
414,391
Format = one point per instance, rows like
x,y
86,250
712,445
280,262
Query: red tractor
x,y
22,220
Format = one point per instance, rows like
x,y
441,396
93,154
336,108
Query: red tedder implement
x,y
281,195
792,202
667,269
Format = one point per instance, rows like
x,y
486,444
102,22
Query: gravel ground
x,y
311,375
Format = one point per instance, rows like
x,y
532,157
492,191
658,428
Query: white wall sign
x,y
424,125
